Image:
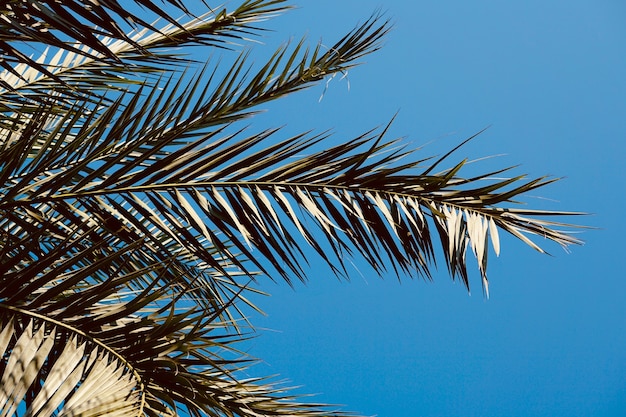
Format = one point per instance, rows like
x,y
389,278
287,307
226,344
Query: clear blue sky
x,y
549,76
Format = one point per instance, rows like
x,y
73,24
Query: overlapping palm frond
x,y
62,374
102,351
135,209
109,147
94,63
105,320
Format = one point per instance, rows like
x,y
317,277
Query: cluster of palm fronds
x,y
135,211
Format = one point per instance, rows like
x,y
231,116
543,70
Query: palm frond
x,y
108,59
359,195
72,26
61,155
135,210
51,371
160,353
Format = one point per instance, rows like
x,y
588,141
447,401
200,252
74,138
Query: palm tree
x,y
137,205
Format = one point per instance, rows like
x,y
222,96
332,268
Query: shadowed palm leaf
x,y
135,209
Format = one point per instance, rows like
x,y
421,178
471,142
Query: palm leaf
x,y
129,345
135,210
372,207
47,373
108,59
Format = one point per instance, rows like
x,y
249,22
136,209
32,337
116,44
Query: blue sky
x,y
551,341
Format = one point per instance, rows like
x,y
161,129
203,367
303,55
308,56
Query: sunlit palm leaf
x,y
134,211
181,354
96,65
47,373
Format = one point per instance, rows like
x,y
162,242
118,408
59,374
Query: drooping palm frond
x,y
135,209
